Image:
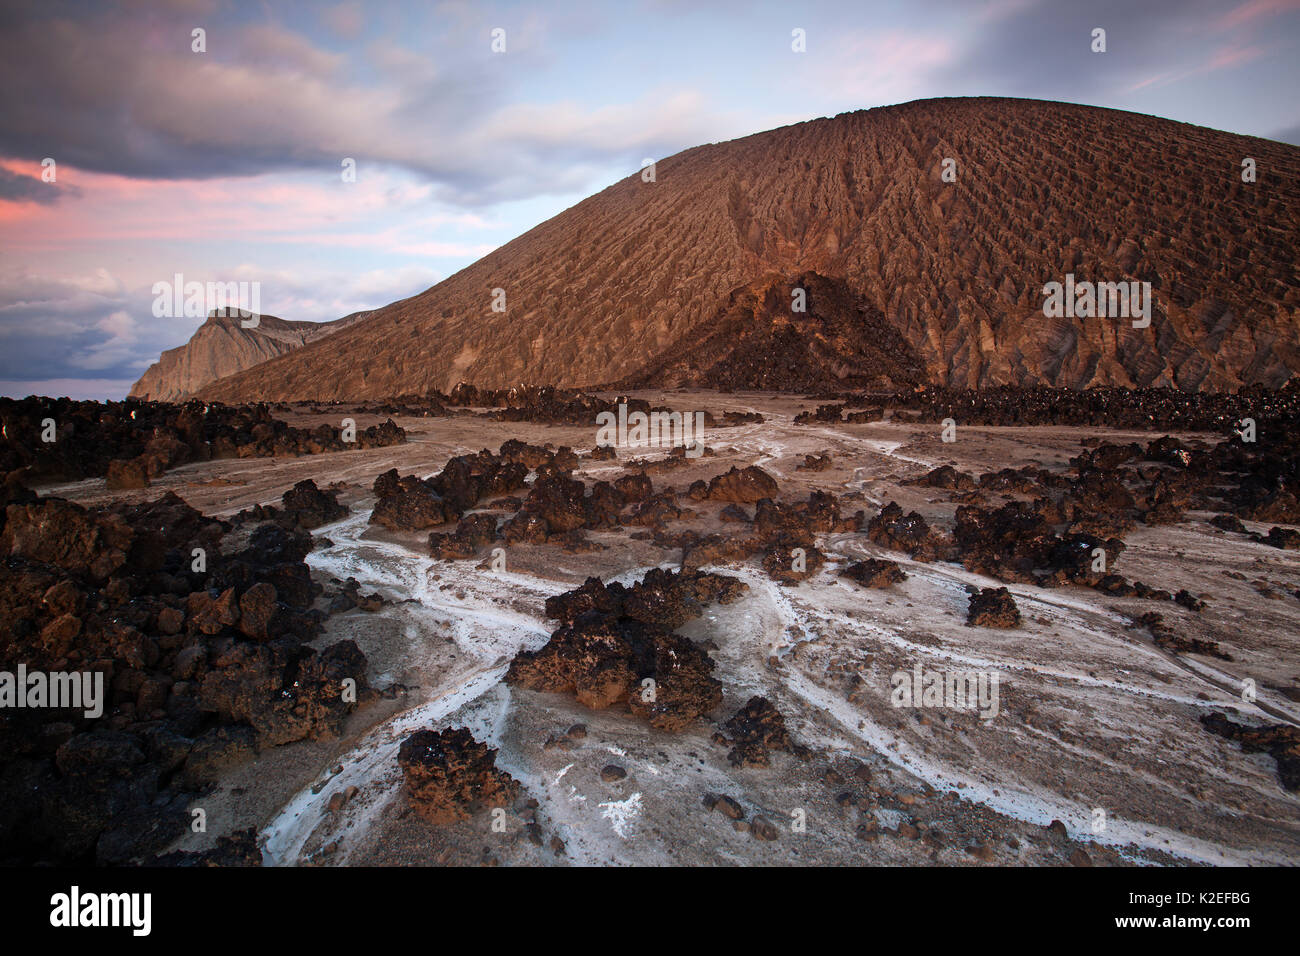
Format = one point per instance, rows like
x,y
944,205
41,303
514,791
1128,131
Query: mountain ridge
x,y
603,291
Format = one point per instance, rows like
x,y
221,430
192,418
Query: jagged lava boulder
x,y
451,776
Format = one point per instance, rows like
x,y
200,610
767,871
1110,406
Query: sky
x,y
128,156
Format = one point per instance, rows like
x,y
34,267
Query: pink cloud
x,y
1230,57
889,66
1254,10
1224,58
268,208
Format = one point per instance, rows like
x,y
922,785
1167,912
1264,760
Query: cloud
x,y
119,95
319,296
385,210
56,327
345,19
36,305
1042,49
274,48
882,66
1254,10
17,187
117,349
1224,58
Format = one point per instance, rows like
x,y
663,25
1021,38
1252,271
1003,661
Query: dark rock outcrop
x,y
755,731
993,607
874,573
204,660
743,485
451,776
617,646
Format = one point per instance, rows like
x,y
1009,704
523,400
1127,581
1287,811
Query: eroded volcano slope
x,y
642,271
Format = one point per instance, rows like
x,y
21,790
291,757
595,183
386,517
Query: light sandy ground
x,y
1096,726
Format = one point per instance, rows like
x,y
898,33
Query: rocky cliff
x,y
221,346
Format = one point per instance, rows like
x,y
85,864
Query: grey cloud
x,y
126,96
1043,48
16,187
58,328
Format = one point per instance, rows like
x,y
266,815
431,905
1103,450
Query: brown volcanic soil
x,y
1094,713
641,275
